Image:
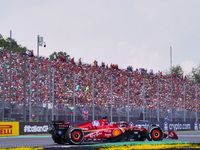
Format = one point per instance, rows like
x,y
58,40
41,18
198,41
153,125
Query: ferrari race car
x,y
100,130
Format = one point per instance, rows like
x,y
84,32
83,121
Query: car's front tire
x,y
155,133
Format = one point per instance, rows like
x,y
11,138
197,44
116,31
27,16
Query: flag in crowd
x,y
78,88
85,114
87,88
71,110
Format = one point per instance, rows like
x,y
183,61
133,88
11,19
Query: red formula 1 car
x,y
100,130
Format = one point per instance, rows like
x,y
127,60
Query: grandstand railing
x,y
45,115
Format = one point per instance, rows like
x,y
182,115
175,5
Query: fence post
x,y
158,116
50,81
184,104
143,99
171,99
10,42
128,97
46,112
37,78
24,109
93,96
74,99
196,105
30,111
111,117
56,113
3,100
52,115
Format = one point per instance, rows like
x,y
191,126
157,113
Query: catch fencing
x,y
78,92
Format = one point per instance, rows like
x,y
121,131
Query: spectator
x,y
95,63
103,64
79,61
55,57
72,60
64,84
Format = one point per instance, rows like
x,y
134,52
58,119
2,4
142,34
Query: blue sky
x,y
124,32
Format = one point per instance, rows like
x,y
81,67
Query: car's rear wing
x,y
58,122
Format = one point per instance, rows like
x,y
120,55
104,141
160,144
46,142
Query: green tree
x,y
177,70
5,44
59,54
196,74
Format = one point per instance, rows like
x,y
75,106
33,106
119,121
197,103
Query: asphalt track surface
x,y
46,141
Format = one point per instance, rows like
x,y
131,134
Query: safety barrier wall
x,y
172,126
28,128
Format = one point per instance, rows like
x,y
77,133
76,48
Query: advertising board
x,y
9,128
178,126
33,128
170,126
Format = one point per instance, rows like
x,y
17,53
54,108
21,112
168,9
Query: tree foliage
x,y
177,70
59,54
5,44
196,74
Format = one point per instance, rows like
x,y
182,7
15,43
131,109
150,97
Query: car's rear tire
x,y
57,140
155,133
74,135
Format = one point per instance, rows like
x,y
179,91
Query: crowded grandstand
x,y
140,93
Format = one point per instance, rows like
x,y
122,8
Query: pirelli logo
x,y
9,128
6,129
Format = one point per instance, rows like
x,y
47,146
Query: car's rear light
x,y
59,132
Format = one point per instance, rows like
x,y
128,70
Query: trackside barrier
x,y
42,127
28,128
173,126
9,128
33,128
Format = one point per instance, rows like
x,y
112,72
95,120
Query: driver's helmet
x,y
122,124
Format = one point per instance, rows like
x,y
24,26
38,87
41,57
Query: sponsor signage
x,y
170,126
196,126
24,128
144,124
33,128
9,128
178,126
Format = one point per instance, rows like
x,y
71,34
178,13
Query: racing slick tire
x,y
155,133
74,136
57,140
